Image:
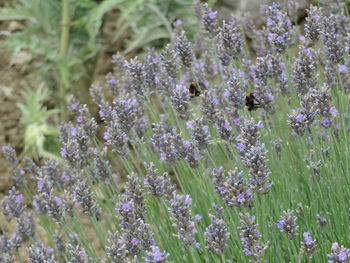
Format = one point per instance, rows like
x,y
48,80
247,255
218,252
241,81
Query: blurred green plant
x,y
64,37
40,138
151,22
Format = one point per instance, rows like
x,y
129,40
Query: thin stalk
x,y
64,43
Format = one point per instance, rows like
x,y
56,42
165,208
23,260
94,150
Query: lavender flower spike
x,y
155,256
250,238
216,234
288,224
180,208
308,245
339,254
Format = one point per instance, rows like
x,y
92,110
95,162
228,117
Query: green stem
x,y
65,24
65,29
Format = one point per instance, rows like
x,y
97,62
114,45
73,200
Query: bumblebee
x,y
195,89
251,104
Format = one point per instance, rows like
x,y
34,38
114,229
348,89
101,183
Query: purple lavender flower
x,y
339,254
190,153
314,23
199,133
151,68
308,245
255,159
106,111
279,27
13,205
112,84
223,127
229,42
180,208
304,75
83,195
55,207
155,256
168,61
334,48
25,227
126,112
217,234
167,142
209,20
233,188
249,135
116,138
137,73
234,92
77,254
134,191
184,49
180,101
76,142
277,145
209,106
288,224
82,115
11,157
158,185
116,249
60,244
100,168
300,121
38,253
250,238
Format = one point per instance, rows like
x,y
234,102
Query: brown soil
x,y
15,74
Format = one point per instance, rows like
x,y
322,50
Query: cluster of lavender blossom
x,y
149,128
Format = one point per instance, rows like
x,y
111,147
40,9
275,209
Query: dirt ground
x,y
16,73
14,76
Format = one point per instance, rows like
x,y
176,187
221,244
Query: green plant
x,y
40,138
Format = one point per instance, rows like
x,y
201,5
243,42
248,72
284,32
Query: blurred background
x,y
50,49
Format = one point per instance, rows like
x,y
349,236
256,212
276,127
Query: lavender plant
x,y
137,183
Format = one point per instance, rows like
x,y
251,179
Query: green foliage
x,y
37,131
151,22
